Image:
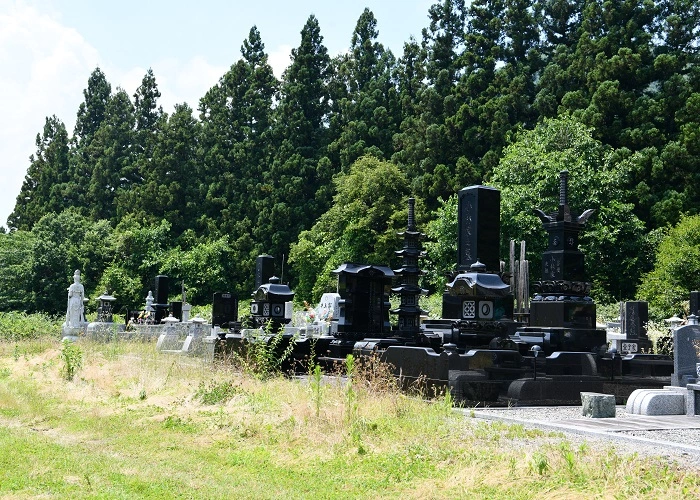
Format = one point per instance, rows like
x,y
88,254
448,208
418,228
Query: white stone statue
x,y
149,301
75,313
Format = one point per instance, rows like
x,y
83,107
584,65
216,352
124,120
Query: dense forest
x,y
315,168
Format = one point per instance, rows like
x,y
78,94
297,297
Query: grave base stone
x,y
596,405
668,401
692,400
104,331
73,333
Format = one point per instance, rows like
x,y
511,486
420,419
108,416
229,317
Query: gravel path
x,y
674,446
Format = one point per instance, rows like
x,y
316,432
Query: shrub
x,y
21,326
676,271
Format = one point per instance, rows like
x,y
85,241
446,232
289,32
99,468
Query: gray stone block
x,y
596,405
655,402
692,400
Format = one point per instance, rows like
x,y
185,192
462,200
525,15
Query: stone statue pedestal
x,y
104,331
73,333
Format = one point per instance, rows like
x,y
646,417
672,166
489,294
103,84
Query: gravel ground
x,y
679,447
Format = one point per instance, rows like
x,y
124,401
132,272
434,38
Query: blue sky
x,y
48,48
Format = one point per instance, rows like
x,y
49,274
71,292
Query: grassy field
x,y
135,424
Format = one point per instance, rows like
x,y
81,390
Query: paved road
x,y
674,437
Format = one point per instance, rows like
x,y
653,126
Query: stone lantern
x,y
269,304
105,308
104,327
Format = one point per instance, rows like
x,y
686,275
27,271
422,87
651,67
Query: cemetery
x,y
453,258
496,343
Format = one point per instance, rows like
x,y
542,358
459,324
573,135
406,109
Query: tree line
x,y
267,166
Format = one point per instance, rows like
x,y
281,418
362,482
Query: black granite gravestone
x,y
561,298
176,309
364,300
264,269
634,316
161,288
561,311
694,303
269,303
479,228
224,310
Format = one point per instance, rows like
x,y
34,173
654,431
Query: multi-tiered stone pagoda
x,y
409,311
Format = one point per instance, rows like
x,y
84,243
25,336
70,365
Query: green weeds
x,y
265,352
72,358
316,389
216,392
16,326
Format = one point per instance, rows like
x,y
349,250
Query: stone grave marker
x,y
686,344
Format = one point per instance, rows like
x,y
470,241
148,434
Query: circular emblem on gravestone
x,y
486,310
570,241
253,308
555,241
277,310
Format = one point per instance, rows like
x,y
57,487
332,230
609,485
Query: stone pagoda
x,y
407,276
561,309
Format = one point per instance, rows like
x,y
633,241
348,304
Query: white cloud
x,y
279,59
186,81
45,66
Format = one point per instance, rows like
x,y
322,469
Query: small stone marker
x,y
596,405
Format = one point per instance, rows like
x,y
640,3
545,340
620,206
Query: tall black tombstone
x,y
264,269
161,285
176,309
634,316
224,310
694,303
479,229
161,289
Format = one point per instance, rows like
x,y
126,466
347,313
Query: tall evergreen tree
x,y
169,188
497,88
236,117
48,170
91,114
367,113
427,148
150,121
92,111
560,24
299,178
147,115
112,156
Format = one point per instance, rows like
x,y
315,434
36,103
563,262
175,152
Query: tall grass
x,y
210,431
